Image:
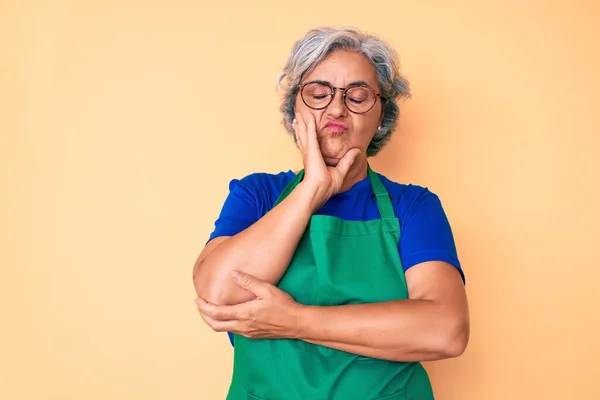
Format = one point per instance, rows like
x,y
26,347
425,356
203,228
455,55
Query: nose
x,y
337,108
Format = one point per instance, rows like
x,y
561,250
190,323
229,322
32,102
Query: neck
x,y
356,173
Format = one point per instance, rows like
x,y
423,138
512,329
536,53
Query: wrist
x,y
304,322
312,195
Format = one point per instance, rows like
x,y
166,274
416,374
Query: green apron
x,y
336,262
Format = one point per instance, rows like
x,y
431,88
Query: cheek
x,y
298,104
303,109
367,126
300,107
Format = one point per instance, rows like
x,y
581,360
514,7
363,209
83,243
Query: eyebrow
x,y
352,84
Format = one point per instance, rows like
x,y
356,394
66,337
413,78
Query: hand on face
x,y
326,180
331,130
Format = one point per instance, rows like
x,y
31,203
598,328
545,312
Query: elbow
x,y
210,293
456,339
219,293
206,286
216,288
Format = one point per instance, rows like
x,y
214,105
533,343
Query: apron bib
x,y
336,262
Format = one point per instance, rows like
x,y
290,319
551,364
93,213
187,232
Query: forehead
x,y
341,68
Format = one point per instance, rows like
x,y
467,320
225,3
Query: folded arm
x,y
263,250
432,324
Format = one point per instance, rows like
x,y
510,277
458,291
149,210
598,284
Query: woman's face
x,y
338,129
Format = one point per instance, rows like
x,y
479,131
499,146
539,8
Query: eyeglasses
x,y
358,98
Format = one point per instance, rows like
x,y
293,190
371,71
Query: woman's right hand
x,y
324,181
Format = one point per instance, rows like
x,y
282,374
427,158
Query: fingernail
x,y
236,274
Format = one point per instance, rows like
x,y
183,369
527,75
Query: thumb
x,y
250,283
346,162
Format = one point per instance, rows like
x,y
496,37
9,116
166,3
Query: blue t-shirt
x,y
425,233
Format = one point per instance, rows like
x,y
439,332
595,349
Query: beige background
x,y
122,123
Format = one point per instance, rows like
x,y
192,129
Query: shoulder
x,y
263,181
426,231
262,187
407,198
250,197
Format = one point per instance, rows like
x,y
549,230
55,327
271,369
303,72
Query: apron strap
x,y
382,197
290,187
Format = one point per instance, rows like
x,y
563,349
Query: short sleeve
x,y
426,234
239,211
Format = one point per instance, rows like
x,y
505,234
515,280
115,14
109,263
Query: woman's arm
x,y
263,250
433,324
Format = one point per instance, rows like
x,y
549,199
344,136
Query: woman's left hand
x,y
273,314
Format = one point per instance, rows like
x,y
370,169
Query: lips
x,y
336,126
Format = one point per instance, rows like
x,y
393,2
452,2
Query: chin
x,y
332,156
331,162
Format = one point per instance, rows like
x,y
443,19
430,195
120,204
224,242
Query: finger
x,y
220,326
295,128
252,284
233,327
307,148
346,162
300,130
221,313
312,140
313,157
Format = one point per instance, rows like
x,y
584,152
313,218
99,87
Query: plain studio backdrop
x,y
122,123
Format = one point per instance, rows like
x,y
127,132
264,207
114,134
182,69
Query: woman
x,y
335,282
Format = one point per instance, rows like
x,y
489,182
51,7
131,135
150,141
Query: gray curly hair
x,y
319,43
